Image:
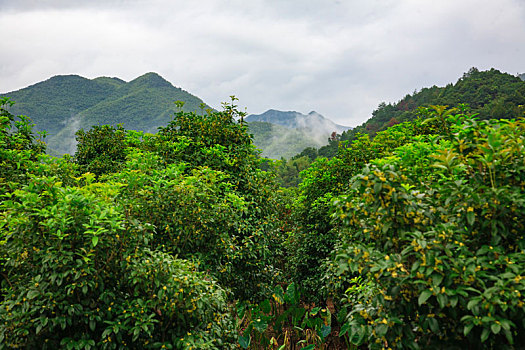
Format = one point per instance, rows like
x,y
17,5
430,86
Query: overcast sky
x,y
340,58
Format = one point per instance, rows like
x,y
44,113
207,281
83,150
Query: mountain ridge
x,y
62,104
297,120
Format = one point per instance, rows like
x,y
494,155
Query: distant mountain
x,y
489,94
277,141
296,120
63,104
285,134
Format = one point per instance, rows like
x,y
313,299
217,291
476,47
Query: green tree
x,y
436,234
101,150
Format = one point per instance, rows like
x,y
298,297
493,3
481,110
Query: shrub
x,y
81,275
441,256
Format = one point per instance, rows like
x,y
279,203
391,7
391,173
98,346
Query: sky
x,y
341,58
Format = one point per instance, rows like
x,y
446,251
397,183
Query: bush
x,y
441,255
81,275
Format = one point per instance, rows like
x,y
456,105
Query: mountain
x,y
277,141
285,134
63,104
522,76
296,120
490,94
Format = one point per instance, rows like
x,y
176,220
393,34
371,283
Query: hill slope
x,y
295,120
277,141
285,134
491,94
63,104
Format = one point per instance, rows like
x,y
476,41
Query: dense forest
x,y
62,104
490,94
411,237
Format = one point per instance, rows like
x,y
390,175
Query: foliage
x,y
218,142
18,146
313,240
440,248
65,247
101,150
63,104
287,171
284,317
196,216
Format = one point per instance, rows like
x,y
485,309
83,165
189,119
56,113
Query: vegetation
x,y
490,94
63,104
278,142
411,238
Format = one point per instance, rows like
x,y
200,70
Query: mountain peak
x,y
150,79
294,120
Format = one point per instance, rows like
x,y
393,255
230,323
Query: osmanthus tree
x,y
198,181
18,146
81,275
101,150
432,248
313,240
239,213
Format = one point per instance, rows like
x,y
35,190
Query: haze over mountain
x,y
63,104
285,134
296,120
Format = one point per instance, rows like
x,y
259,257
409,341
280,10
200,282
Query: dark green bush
x,y
80,275
441,252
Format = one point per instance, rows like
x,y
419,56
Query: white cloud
x,y
340,58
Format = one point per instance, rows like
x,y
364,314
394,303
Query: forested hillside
x,y
489,94
63,104
277,141
407,238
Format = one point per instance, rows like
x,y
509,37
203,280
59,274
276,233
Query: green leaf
x,y
94,240
468,328
32,294
436,279
315,310
309,347
495,328
423,297
473,302
485,334
325,331
470,218
381,330
344,328
244,341
442,300
292,294
508,335
433,324
377,187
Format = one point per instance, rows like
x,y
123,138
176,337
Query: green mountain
x,y
277,141
63,104
294,120
284,134
491,94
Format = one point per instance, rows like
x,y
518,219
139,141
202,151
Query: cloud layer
x,y
340,58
